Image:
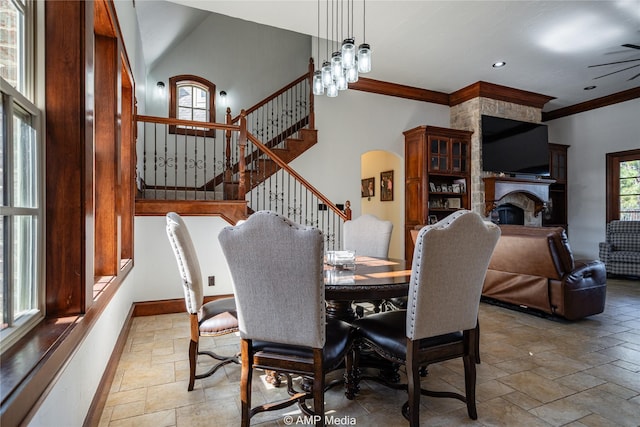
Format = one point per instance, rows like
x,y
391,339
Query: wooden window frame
x,y
613,180
173,104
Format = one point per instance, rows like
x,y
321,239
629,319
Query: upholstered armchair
x,y
277,272
440,323
212,319
620,252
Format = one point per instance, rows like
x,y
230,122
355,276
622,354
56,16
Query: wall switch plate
x,y
212,280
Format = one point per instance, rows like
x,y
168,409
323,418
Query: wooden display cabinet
x,y
437,174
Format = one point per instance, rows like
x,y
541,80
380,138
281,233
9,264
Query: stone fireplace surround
x,y
469,104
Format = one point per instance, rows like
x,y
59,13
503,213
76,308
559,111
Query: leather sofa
x,y
534,268
621,250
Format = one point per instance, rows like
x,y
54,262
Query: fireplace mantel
x,y
496,187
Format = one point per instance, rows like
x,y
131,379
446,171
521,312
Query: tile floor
x,y
534,372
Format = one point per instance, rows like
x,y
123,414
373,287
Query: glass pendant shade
x,y
341,81
336,65
318,88
327,79
348,54
364,58
352,73
332,90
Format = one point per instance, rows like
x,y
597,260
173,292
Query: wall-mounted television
x,y
514,147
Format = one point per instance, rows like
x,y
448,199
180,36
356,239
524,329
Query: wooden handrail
x,y
272,96
293,173
177,122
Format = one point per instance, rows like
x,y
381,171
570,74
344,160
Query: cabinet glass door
x,y
438,154
458,156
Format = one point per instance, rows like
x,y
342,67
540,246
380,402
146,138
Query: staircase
x,y
259,167
243,169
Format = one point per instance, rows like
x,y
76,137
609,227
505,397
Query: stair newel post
x,y
312,115
242,142
347,210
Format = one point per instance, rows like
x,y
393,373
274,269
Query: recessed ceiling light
x,y
590,87
499,64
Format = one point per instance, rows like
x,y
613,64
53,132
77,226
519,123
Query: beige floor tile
x,y
536,386
172,395
156,419
147,376
534,372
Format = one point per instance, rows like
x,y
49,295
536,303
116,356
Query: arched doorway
x,y
386,168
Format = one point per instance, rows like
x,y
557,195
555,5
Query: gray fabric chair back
x,y
277,271
450,262
187,259
368,236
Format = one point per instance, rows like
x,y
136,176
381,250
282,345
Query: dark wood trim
x,y
126,205
500,93
167,306
625,95
231,211
69,156
613,180
401,91
107,156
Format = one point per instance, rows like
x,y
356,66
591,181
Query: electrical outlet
x,y
212,280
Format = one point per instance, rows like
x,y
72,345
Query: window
x,y
192,98
623,186
20,212
13,38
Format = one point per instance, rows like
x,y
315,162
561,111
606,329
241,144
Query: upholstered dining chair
x,y
211,319
277,273
441,320
368,235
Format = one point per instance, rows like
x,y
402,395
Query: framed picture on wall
x,y
368,187
386,186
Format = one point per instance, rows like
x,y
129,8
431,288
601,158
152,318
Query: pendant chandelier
x,y
346,62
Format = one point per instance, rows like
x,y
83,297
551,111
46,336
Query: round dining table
x,y
368,279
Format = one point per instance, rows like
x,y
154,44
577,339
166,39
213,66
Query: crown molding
x,y
500,93
625,95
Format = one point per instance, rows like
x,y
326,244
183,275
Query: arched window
x,y
192,98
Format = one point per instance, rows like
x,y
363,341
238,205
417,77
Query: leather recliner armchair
x,y
534,268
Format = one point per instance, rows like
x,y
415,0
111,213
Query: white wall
x,y
156,274
248,61
592,135
352,124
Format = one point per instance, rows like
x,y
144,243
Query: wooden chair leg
x,y
413,383
245,382
470,386
318,387
193,357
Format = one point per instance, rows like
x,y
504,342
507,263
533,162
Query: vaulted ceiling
x,y
550,47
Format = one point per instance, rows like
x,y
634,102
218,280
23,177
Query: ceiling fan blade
x,y
632,46
624,69
613,63
634,76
